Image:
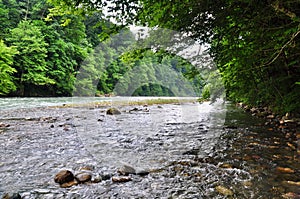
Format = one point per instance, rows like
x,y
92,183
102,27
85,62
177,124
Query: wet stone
x,y
96,178
224,191
69,184
11,196
106,176
83,177
64,176
121,179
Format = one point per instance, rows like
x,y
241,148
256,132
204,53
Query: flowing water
x,y
191,150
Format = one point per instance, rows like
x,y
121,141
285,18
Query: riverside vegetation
x,y
255,46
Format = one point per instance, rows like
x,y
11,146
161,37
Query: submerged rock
x,y
224,191
113,111
285,170
11,196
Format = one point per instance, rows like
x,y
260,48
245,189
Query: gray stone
x,y
126,170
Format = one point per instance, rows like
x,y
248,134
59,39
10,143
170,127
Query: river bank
x,y
190,150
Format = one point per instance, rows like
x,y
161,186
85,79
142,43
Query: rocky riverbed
x,y
183,150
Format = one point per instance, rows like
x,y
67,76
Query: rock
x,y
247,183
142,172
134,109
83,177
2,125
291,146
126,170
285,170
224,191
69,184
64,176
290,195
106,176
11,196
226,166
96,178
121,179
254,110
289,182
113,111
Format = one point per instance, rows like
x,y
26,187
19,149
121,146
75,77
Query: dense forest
x,y
46,54
254,44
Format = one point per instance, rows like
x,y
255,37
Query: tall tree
x,y
6,70
30,62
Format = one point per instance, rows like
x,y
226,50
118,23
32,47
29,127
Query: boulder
x,y
113,111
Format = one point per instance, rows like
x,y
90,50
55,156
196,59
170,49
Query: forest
x,y
42,56
254,44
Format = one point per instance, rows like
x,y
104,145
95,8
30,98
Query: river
x,y
191,150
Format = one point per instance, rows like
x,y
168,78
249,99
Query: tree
x,y
6,70
30,63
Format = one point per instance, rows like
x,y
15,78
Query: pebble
x,y
224,191
4,125
291,195
96,178
285,170
121,179
83,177
69,184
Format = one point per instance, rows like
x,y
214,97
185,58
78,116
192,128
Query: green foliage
x,y
6,70
30,62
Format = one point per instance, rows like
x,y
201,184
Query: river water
x,y
192,150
